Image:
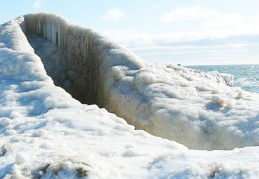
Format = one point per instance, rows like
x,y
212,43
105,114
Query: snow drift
x,y
168,101
45,133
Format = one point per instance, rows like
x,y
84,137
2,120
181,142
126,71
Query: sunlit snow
x,y
47,133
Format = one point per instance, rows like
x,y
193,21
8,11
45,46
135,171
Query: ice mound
x,y
45,133
196,109
225,78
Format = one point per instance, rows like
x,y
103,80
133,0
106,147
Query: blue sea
x,y
246,76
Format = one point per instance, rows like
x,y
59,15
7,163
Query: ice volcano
x,y
168,101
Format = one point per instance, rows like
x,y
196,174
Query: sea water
x,y
246,76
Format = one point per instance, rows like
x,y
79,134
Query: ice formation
x,y
217,77
47,133
158,99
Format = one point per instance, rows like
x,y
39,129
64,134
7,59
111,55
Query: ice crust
x,y
47,133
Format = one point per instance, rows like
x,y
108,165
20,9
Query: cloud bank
x,y
37,4
189,13
231,36
113,15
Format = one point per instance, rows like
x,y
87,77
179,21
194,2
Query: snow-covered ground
x,y
47,133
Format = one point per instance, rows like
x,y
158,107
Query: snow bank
x,y
45,133
199,111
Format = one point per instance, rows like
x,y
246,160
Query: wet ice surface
x,y
46,133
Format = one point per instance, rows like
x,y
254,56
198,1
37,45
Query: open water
x,y
246,76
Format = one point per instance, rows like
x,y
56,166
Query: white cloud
x,y
256,18
113,15
151,8
189,13
225,21
218,29
37,4
137,39
129,37
226,46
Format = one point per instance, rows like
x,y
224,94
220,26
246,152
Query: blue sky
x,y
166,31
